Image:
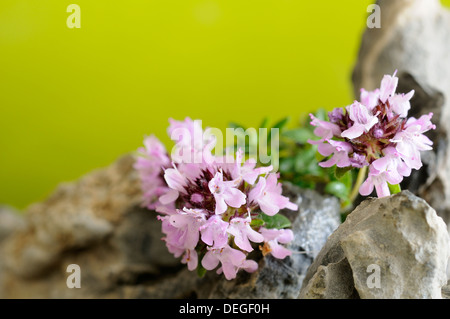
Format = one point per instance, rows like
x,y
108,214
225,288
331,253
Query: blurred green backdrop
x,y
73,100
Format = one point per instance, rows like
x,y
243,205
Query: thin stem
x,y
359,180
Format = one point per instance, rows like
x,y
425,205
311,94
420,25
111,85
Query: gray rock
x,y
10,222
98,224
400,235
333,281
446,291
415,39
95,222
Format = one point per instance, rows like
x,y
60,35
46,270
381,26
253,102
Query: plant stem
x,y
359,180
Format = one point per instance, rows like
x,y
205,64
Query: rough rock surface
x,y
400,235
414,38
98,224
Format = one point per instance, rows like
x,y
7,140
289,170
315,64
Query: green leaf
x,y
235,125
337,189
264,123
277,221
394,188
256,222
341,171
286,165
321,114
299,135
280,124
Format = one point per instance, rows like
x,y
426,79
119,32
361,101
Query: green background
x,y
72,100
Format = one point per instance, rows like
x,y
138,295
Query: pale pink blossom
x,y
267,194
363,120
376,132
275,237
324,129
339,150
231,261
243,233
225,193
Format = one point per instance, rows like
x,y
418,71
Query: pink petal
x,y
279,251
169,197
285,236
221,206
388,87
210,260
367,187
382,189
250,266
234,197
257,191
191,258
268,207
353,132
326,149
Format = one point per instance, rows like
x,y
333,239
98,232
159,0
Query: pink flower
x,y
388,87
207,204
400,103
376,133
273,238
231,260
188,223
324,129
388,169
243,233
267,194
225,193
247,170
411,140
363,120
175,180
190,258
379,181
214,232
340,151
185,133
150,162
174,237
370,98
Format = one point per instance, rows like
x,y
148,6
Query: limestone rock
x,y
401,236
10,221
98,224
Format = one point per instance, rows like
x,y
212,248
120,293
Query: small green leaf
x,y
279,125
256,222
299,135
341,171
286,165
394,188
337,189
277,221
282,123
264,123
235,125
321,114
